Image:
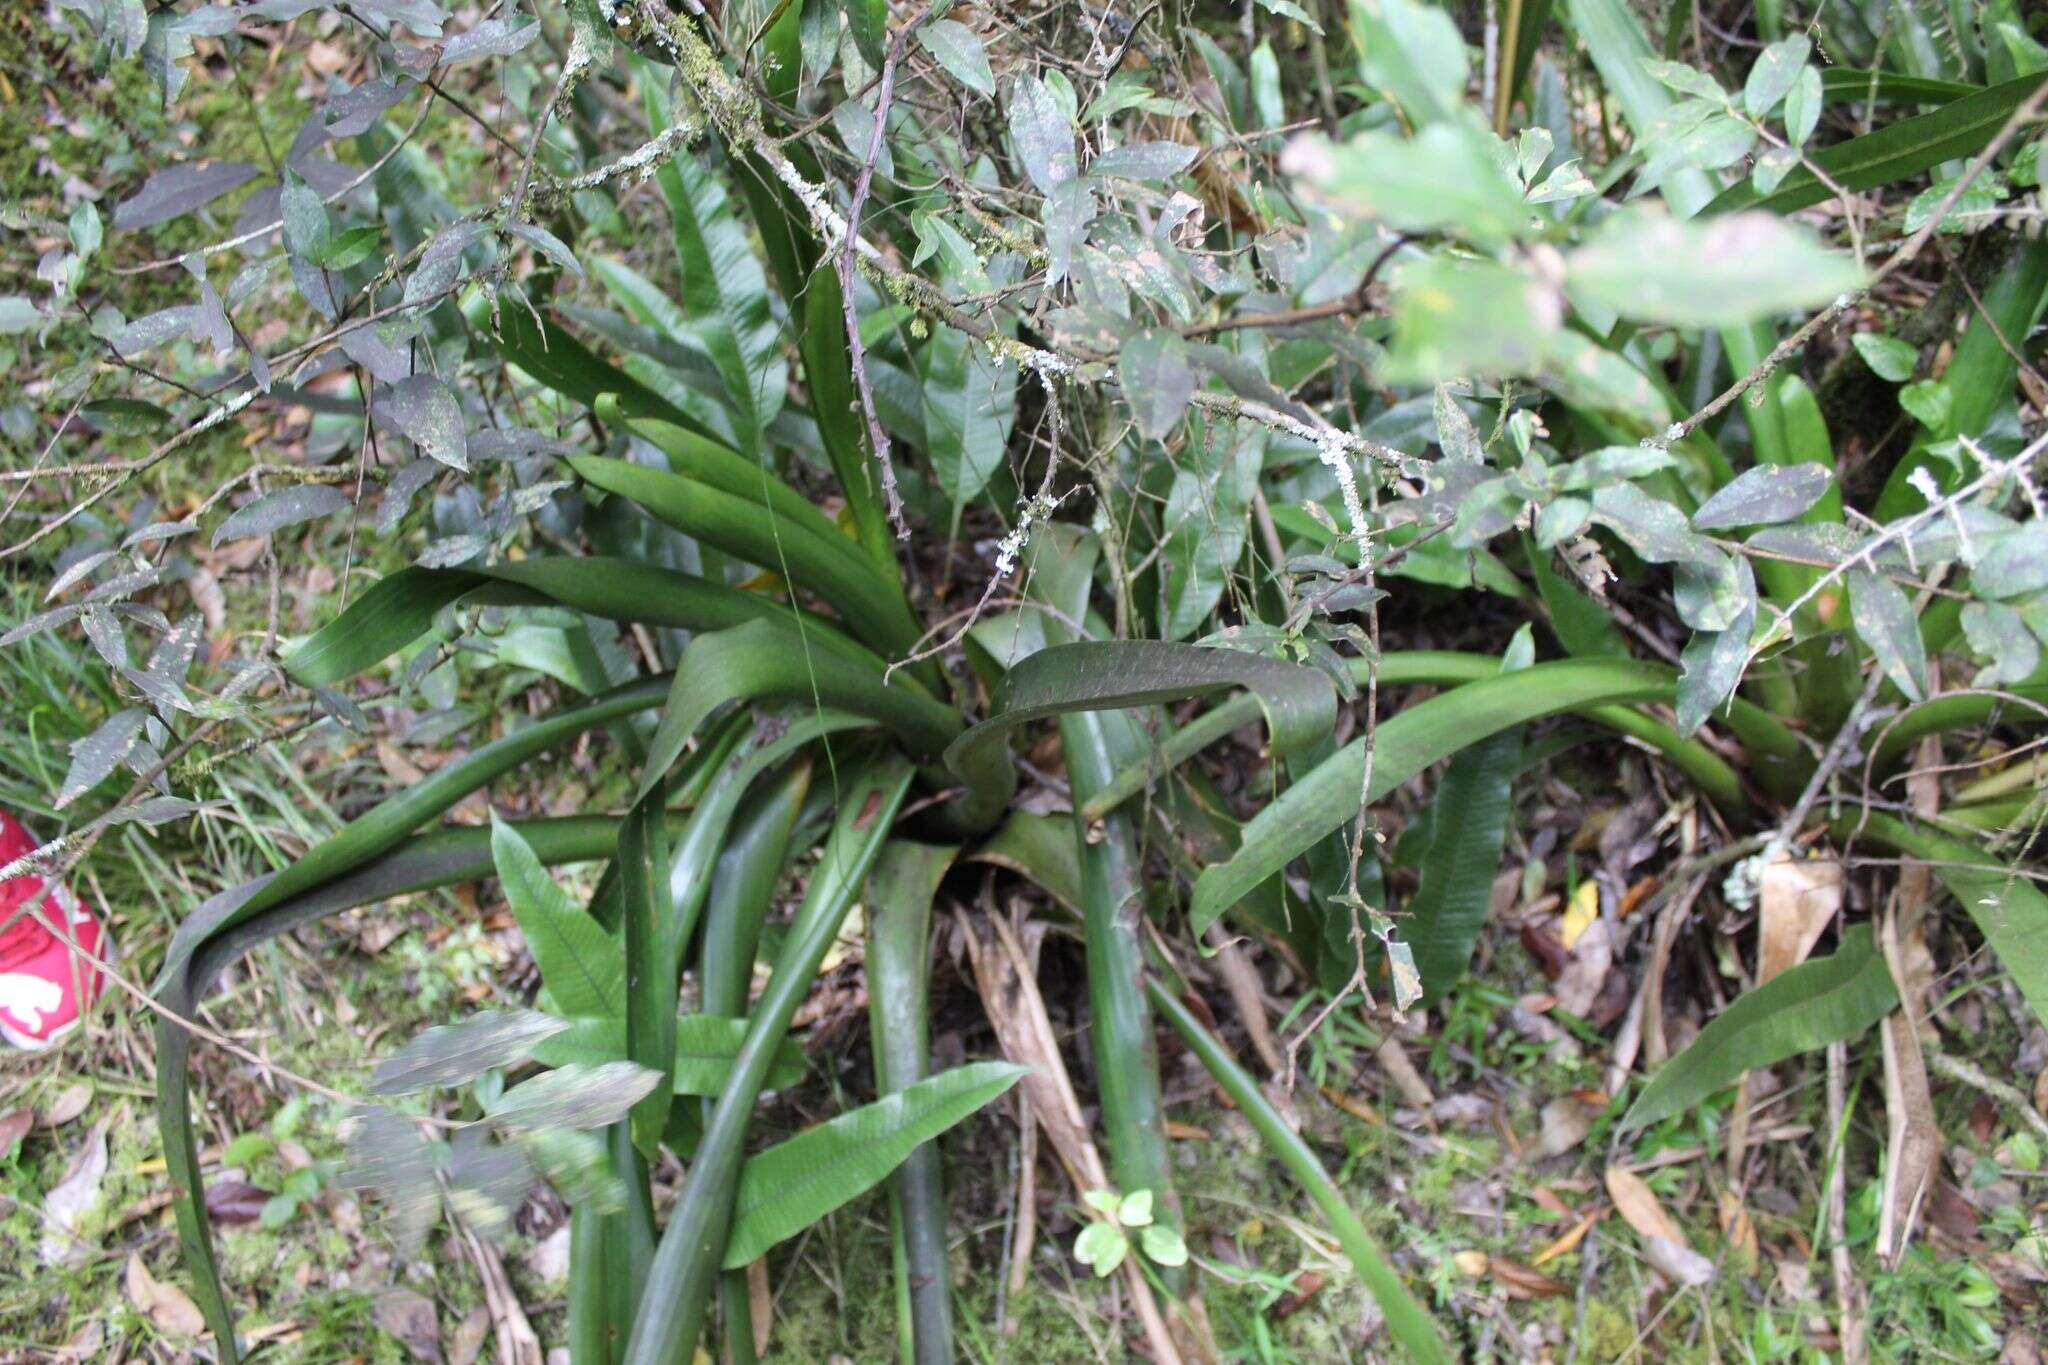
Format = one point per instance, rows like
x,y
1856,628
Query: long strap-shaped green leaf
x,y
1098,675
387,823
687,1262
762,661
900,892
554,356
371,860
706,461
1827,1000
2008,905
1120,1031
196,958
830,565
1951,713
742,891
1773,748
400,608
651,955
1406,1319
1330,796
1892,152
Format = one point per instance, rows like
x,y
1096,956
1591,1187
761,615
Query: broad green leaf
x,y
705,1047
1413,52
1157,381
1887,356
792,1185
959,50
1204,524
1144,160
2001,635
1763,496
970,400
762,661
575,1096
1445,179
1299,703
1043,138
1040,848
2014,563
835,406
582,966
1884,619
401,607
94,758
1842,83
687,1261
761,533
426,412
1455,317
283,508
1772,76
1893,152
454,1053
2007,904
1826,1000
651,933
1976,207
1650,266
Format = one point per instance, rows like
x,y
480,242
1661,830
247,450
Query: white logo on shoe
x,y
29,998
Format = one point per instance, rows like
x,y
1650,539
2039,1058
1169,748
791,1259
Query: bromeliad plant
x,y
1184,371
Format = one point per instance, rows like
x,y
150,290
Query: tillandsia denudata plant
x,y
822,397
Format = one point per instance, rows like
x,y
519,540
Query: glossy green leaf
x,y
1802,1009
401,607
1299,704
828,564
1328,797
582,967
763,661
785,1189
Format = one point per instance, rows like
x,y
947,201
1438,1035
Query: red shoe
x,y
46,984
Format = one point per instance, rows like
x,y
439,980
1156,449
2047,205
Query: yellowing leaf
x,y
1580,914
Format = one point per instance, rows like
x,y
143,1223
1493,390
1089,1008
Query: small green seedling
x,y
1103,1245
